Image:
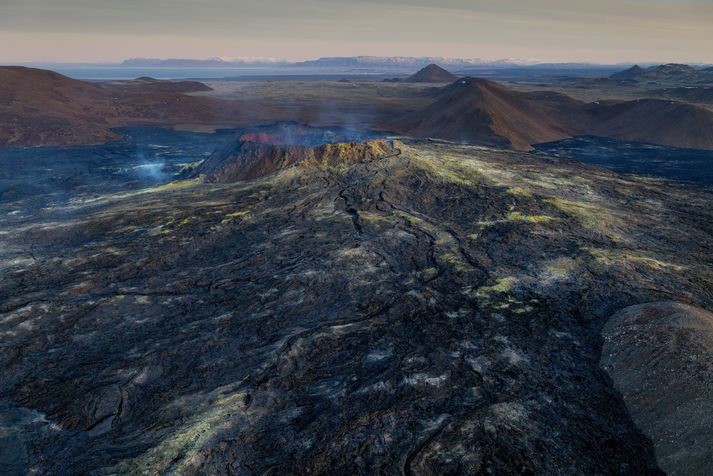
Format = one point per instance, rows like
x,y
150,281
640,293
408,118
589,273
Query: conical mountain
x,y
432,74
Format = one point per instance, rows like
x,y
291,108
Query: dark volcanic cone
x,y
631,73
432,74
267,150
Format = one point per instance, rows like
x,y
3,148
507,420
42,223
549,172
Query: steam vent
x,y
268,149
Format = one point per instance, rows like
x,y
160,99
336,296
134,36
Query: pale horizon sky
x,y
605,31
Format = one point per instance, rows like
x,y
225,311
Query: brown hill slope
x,y
478,110
700,94
30,88
481,111
654,121
39,107
43,107
432,74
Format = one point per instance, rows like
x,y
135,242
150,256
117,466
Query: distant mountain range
x,y
401,66
385,64
671,71
340,62
199,63
401,62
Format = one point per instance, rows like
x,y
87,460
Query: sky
x,y
601,31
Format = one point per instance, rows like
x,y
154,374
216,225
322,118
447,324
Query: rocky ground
x,y
660,358
438,311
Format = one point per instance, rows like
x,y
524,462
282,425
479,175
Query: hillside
x,y
484,112
670,344
432,74
654,121
147,84
664,72
632,73
40,107
699,94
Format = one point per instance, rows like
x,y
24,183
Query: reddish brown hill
x,y
431,74
654,121
700,94
478,110
488,113
42,107
39,107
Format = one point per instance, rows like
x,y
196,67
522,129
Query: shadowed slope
x,y
663,72
431,74
485,112
148,84
699,94
482,111
655,121
632,73
660,356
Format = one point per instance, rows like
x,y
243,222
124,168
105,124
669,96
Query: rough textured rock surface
x,y
660,356
436,312
269,149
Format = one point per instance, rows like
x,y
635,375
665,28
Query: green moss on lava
x,y
174,454
242,215
500,286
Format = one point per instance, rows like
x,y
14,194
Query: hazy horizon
x,y
101,31
277,61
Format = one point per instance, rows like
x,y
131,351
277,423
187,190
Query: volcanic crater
x,y
261,151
